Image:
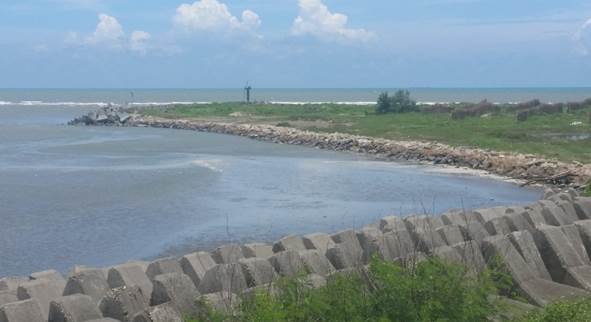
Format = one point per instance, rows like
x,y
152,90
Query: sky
x,y
294,43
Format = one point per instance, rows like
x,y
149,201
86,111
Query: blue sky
x,y
294,43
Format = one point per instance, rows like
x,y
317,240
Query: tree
x,y
399,103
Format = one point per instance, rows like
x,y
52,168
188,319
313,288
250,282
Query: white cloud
x,y
211,15
316,19
109,34
583,38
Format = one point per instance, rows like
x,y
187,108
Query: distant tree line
x,y
400,102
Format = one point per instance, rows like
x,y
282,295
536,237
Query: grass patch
x,y
432,290
544,135
572,311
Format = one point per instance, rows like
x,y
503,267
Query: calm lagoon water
x,y
100,196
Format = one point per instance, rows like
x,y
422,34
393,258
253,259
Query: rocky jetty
x,y
109,115
546,247
527,168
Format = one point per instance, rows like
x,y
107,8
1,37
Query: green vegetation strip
x,y
564,136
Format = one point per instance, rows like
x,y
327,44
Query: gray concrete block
x,y
426,240
543,292
584,227
578,277
451,234
44,291
557,252
316,263
475,230
569,210
487,214
23,311
534,216
257,250
289,243
455,217
340,258
12,283
47,275
583,207
287,263
104,320
160,313
391,223
178,289
447,253
7,297
123,303
220,302
573,235
319,241
524,242
163,266
223,278
73,308
129,274
400,243
196,265
553,214
88,282
518,222
82,269
227,254
373,243
257,271
497,226
313,281
471,255
349,241
423,222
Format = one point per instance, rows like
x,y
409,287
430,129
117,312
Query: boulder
x,y
257,250
88,282
291,242
130,274
123,303
524,243
22,311
223,278
257,271
44,291
451,234
196,265
163,266
160,313
227,254
287,263
178,289
73,308
316,263
319,241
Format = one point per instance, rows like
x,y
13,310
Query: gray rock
x,y
129,274
7,297
123,303
400,243
257,271
196,265
178,289
484,215
451,234
318,241
257,250
569,210
287,263
534,216
223,278
584,227
44,291
422,222
427,240
220,302
476,231
583,207
455,217
88,282
553,214
160,313
557,252
518,222
349,242
227,254
12,283
73,308
471,255
47,275
497,226
163,266
373,243
573,235
391,223
291,242
23,311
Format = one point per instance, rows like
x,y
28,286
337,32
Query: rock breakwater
x,y
527,168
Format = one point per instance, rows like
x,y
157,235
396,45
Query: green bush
x,y
572,311
433,290
399,103
587,191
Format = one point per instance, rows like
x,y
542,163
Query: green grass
x,y
572,311
500,132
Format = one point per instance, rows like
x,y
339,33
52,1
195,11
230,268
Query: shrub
x,y
572,311
587,192
399,103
